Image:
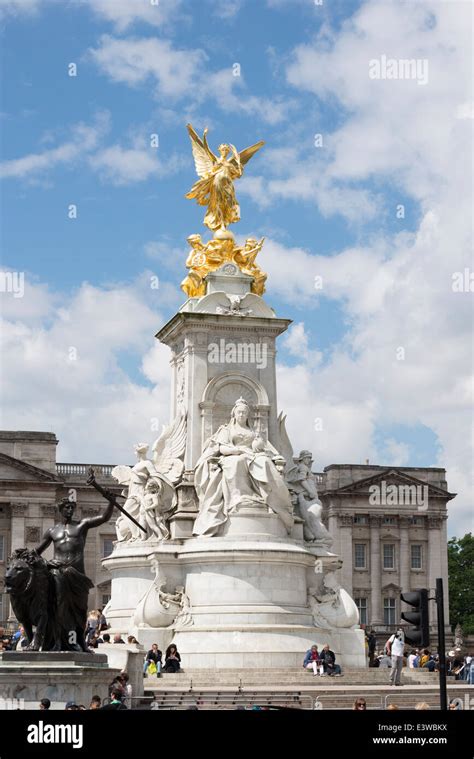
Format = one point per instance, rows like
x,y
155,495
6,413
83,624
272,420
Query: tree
x,y
461,582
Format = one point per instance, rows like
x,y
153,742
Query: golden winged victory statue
x,y
215,189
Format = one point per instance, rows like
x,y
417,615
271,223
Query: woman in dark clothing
x,y
172,659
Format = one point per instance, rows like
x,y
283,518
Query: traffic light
x,y
419,635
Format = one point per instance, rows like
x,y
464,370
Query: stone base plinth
x,y
272,647
246,595
27,677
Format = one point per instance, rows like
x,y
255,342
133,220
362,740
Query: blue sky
x,y
84,140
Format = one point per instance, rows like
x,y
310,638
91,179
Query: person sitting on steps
x,y
172,659
313,661
153,655
328,659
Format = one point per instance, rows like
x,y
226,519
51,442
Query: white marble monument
x,y
235,566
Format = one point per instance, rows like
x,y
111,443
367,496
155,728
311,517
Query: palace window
x,y
360,551
416,556
417,520
2,547
360,519
388,556
107,546
389,611
389,520
105,599
361,604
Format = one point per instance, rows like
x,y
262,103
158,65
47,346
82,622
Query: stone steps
x,y
296,688
318,698
281,677
375,674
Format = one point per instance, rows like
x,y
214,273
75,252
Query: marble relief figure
x,y
237,469
302,485
150,485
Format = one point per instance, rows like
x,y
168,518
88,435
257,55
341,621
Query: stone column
x,y
333,523
196,374
92,548
375,572
49,516
435,554
404,559
18,512
444,566
345,537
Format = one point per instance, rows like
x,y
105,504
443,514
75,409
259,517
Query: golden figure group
x,y
205,258
215,189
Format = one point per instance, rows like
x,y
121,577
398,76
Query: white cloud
x,y
121,165
171,257
134,61
307,179
394,131
116,164
83,139
36,301
123,13
226,9
296,342
222,84
178,74
80,385
19,7
397,453
406,357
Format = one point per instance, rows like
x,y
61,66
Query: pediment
x,y
385,534
15,469
390,586
390,477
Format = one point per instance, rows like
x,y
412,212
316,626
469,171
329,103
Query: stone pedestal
x,y
244,597
247,594
208,383
126,658
27,677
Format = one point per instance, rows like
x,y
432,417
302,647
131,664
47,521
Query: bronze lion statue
x,y
29,583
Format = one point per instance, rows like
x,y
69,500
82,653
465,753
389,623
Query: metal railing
x,y
232,700
216,699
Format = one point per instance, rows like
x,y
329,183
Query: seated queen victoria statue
x,y
236,469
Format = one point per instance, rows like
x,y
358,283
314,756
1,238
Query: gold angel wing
x,y
204,158
246,155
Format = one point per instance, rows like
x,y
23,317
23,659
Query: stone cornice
x,y
189,321
22,466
